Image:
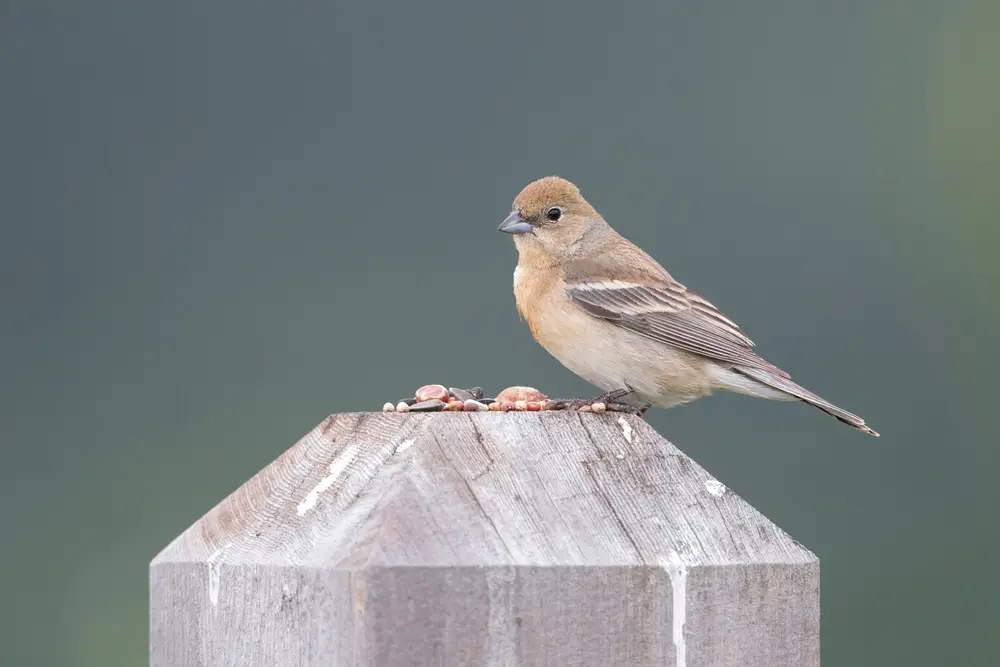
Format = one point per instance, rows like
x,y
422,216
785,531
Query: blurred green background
x,y
221,222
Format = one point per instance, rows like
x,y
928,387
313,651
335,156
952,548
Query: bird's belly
x,y
610,357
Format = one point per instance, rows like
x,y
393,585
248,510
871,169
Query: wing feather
x,y
670,313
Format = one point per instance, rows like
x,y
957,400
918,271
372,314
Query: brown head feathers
x,y
538,197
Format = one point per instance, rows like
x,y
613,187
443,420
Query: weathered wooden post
x,y
503,540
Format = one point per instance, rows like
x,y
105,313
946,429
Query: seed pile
x,y
438,398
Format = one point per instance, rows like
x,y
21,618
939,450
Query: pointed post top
x,y
483,538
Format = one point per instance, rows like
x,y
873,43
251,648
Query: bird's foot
x,y
607,402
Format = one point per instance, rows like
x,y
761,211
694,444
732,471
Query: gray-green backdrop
x,y
220,222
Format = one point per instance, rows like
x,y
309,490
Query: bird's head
x,y
552,220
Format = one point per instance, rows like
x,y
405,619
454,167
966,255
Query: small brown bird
x,y
609,313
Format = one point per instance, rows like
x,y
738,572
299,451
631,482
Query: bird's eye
x,y
554,213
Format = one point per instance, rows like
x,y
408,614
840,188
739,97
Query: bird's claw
x,y
607,402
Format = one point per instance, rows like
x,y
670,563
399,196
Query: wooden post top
x,y
483,539
480,489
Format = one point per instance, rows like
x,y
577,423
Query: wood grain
x,y
521,539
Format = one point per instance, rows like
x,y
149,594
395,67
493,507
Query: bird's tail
x,y
781,383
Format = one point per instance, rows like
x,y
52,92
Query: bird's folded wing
x,y
670,313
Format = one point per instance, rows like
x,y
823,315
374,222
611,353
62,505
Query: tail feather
x,y
785,384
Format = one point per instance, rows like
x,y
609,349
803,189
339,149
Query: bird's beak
x,y
514,224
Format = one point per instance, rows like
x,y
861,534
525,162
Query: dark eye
x,y
554,213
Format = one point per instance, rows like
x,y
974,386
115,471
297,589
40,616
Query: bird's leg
x,y
610,401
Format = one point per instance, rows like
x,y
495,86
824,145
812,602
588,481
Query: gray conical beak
x,y
514,224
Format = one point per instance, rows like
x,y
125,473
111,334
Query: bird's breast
x,y
534,290
562,328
